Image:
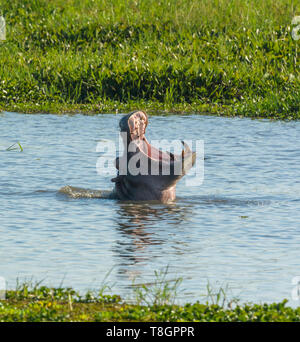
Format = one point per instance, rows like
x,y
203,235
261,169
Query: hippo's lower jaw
x,y
151,182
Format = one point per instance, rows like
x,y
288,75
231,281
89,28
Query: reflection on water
x,y
239,228
134,223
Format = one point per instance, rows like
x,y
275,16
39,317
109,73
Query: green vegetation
x,y
15,147
40,303
224,57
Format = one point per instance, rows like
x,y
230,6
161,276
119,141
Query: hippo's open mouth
x,y
134,124
144,171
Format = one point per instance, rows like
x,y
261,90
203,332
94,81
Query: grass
x,y
36,303
161,292
212,56
15,147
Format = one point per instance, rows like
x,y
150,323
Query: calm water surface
x,y
240,228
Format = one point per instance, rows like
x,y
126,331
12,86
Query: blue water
x,y
239,229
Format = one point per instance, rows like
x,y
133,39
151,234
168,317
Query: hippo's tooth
x,y
186,149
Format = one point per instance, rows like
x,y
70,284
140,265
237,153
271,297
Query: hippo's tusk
x,y
186,150
188,158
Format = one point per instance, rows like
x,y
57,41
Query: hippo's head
x,y
144,172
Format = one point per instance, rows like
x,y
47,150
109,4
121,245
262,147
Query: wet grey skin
x,y
155,173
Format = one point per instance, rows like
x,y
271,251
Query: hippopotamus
x,y
146,173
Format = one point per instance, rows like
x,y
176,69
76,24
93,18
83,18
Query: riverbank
x,y
236,59
64,304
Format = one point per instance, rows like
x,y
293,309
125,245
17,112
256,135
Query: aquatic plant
x,y
36,303
15,147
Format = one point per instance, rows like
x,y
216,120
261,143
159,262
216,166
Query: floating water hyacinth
x,y
2,28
